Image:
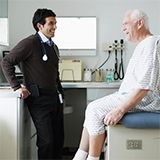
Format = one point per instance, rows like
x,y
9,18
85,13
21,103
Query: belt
x,y
47,92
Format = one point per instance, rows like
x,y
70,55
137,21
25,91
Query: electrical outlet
x,y
134,144
107,46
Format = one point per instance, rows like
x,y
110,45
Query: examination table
x,y
135,137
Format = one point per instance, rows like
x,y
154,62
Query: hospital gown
x,y
143,72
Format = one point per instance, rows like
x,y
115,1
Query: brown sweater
x,y
35,71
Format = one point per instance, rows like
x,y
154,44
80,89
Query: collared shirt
x,y
44,38
49,42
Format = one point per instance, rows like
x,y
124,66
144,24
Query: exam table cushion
x,y
142,120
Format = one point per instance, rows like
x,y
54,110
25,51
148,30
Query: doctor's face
x,y
48,29
130,28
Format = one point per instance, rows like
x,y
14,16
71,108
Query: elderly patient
x,y
139,91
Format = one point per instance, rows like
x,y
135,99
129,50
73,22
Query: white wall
x,y
109,15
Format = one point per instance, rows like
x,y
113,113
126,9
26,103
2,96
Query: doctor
x,y
43,92
139,91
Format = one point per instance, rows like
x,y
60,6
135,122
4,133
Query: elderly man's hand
x,y
24,92
113,117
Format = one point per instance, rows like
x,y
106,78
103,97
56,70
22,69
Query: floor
x,y
68,153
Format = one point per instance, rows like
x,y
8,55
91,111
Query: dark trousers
x,y
47,116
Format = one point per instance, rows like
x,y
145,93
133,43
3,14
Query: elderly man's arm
x,y
132,100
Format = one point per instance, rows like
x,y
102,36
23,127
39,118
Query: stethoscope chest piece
x,y
45,58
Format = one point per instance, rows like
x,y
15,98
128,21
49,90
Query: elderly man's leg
x,y
84,144
82,152
95,144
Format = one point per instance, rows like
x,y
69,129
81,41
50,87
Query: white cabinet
x,y
95,93
14,128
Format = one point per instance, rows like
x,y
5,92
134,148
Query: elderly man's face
x,y
130,28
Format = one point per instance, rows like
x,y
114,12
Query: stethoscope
x,y
45,57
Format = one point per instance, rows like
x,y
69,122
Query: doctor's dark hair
x,y
40,15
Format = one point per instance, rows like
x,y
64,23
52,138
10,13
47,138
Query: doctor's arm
x,y
131,101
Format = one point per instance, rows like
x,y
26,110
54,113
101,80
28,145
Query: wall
x,y
109,15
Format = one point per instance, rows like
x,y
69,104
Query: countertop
x,y
90,85
6,91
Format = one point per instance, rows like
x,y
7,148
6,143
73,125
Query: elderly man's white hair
x,y
137,15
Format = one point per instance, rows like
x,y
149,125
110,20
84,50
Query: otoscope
x,y
121,70
116,76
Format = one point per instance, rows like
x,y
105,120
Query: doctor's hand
x,y
24,92
113,117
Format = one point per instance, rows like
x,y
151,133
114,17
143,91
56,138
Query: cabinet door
x,y
95,93
8,128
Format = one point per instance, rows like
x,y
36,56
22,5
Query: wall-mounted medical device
x,y
117,47
70,70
